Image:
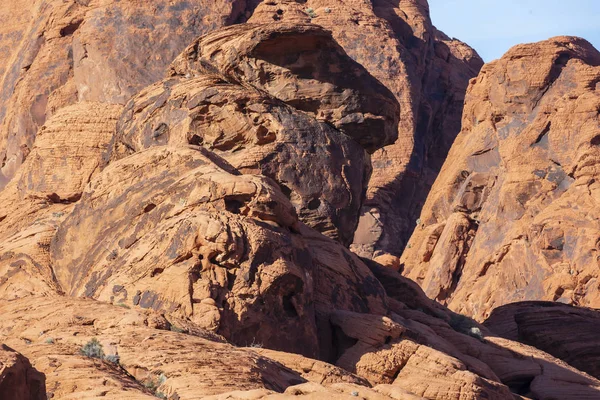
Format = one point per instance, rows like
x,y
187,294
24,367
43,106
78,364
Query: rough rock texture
x,y
169,229
318,78
152,356
18,379
322,171
511,216
428,74
567,332
61,52
309,137
68,152
197,222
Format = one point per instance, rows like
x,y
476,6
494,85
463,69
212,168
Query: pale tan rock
x,y
68,152
312,370
51,332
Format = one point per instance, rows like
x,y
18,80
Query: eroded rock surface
x,y
428,74
322,171
176,229
217,212
564,331
510,216
62,52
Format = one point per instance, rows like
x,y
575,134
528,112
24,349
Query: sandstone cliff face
x,y
510,216
428,74
62,52
312,145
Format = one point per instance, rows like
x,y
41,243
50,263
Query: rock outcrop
x,y
567,332
428,74
18,379
308,135
510,217
169,229
70,149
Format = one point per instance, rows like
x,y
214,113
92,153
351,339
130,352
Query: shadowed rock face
x,y
510,217
62,52
317,78
18,379
567,332
428,74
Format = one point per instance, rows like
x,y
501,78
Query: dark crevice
x,y
196,140
340,343
70,29
56,199
521,385
543,134
314,204
156,271
288,305
235,204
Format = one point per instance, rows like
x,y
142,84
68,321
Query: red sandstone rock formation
x,y
193,242
57,53
427,72
510,216
567,332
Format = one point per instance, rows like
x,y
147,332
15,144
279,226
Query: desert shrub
x,y
92,349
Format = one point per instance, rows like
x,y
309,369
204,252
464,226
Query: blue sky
x,y
494,26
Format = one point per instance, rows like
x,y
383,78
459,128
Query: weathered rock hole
x,y
70,29
595,141
286,190
520,385
234,204
288,305
314,204
149,207
156,271
160,130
